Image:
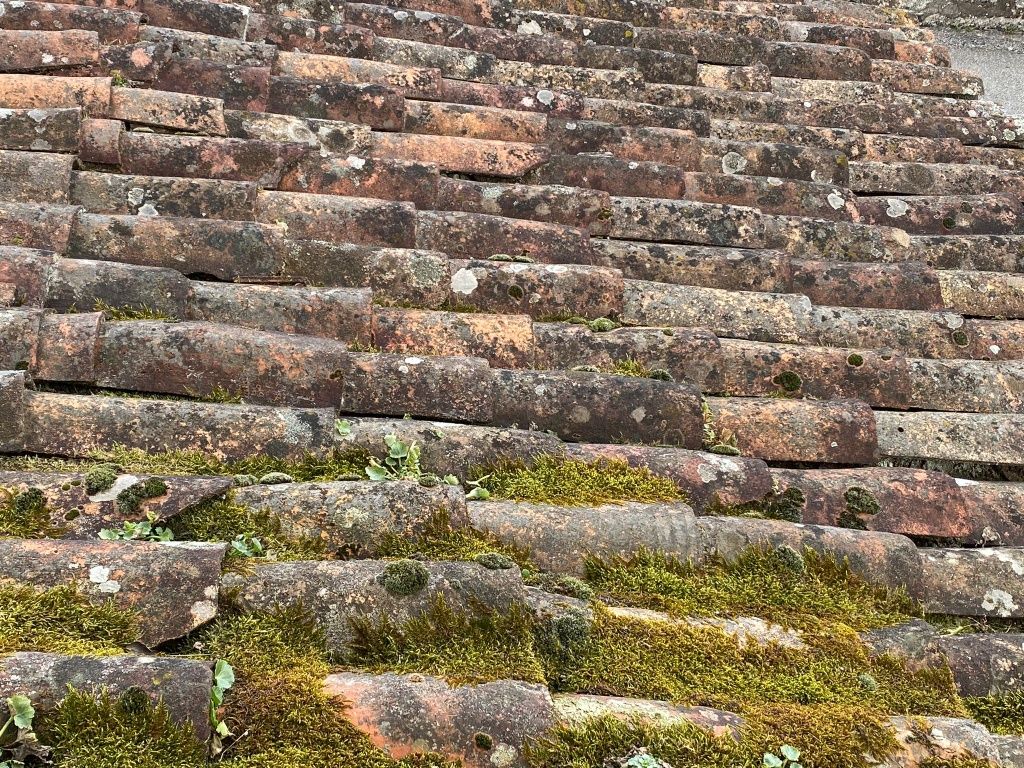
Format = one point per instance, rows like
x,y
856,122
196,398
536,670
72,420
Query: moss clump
x,y
787,505
593,742
495,561
572,482
130,499
703,665
461,646
129,312
25,514
789,381
62,620
483,740
335,465
439,540
860,503
226,520
564,644
405,577
721,441
100,477
827,735
1003,713
125,732
760,582
278,699
638,370
855,360
561,584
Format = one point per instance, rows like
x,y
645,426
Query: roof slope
x,y
770,251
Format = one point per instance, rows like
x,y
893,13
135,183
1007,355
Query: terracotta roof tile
x,y
462,223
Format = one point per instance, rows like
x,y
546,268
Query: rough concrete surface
x,y
997,56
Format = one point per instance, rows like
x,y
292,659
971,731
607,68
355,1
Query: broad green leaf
x,y
479,493
376,472
222,729
790,753
450,480
22,710
223,675
771,761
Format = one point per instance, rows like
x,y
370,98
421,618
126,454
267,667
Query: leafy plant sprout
x,y
144,530
788,757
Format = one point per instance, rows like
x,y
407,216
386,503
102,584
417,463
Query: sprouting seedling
x,y
477,491
789,758
223,679
247,545
144,530
403,463
24,742
343,429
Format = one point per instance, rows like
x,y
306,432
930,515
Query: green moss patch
x,y
439,540
335,465
703,665
123,732
787,505
1000,714
591,743
780,585
571,482
25,514
462,647
226,520
278,700
827,735
62,620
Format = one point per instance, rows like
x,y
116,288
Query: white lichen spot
x,y
146,659
733,162
545,97
464,282
401,15
148,210
556,269
355,162
109,587
999,602
638,414
527,101
414,360
773,181
633,165
210,593
836,200
504,756
1015,564
896,208
570,126
47,58
41,145
952,320
99,574
579,415
424,16
530,27
136,196
202,612
540,389
995,349
353,516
